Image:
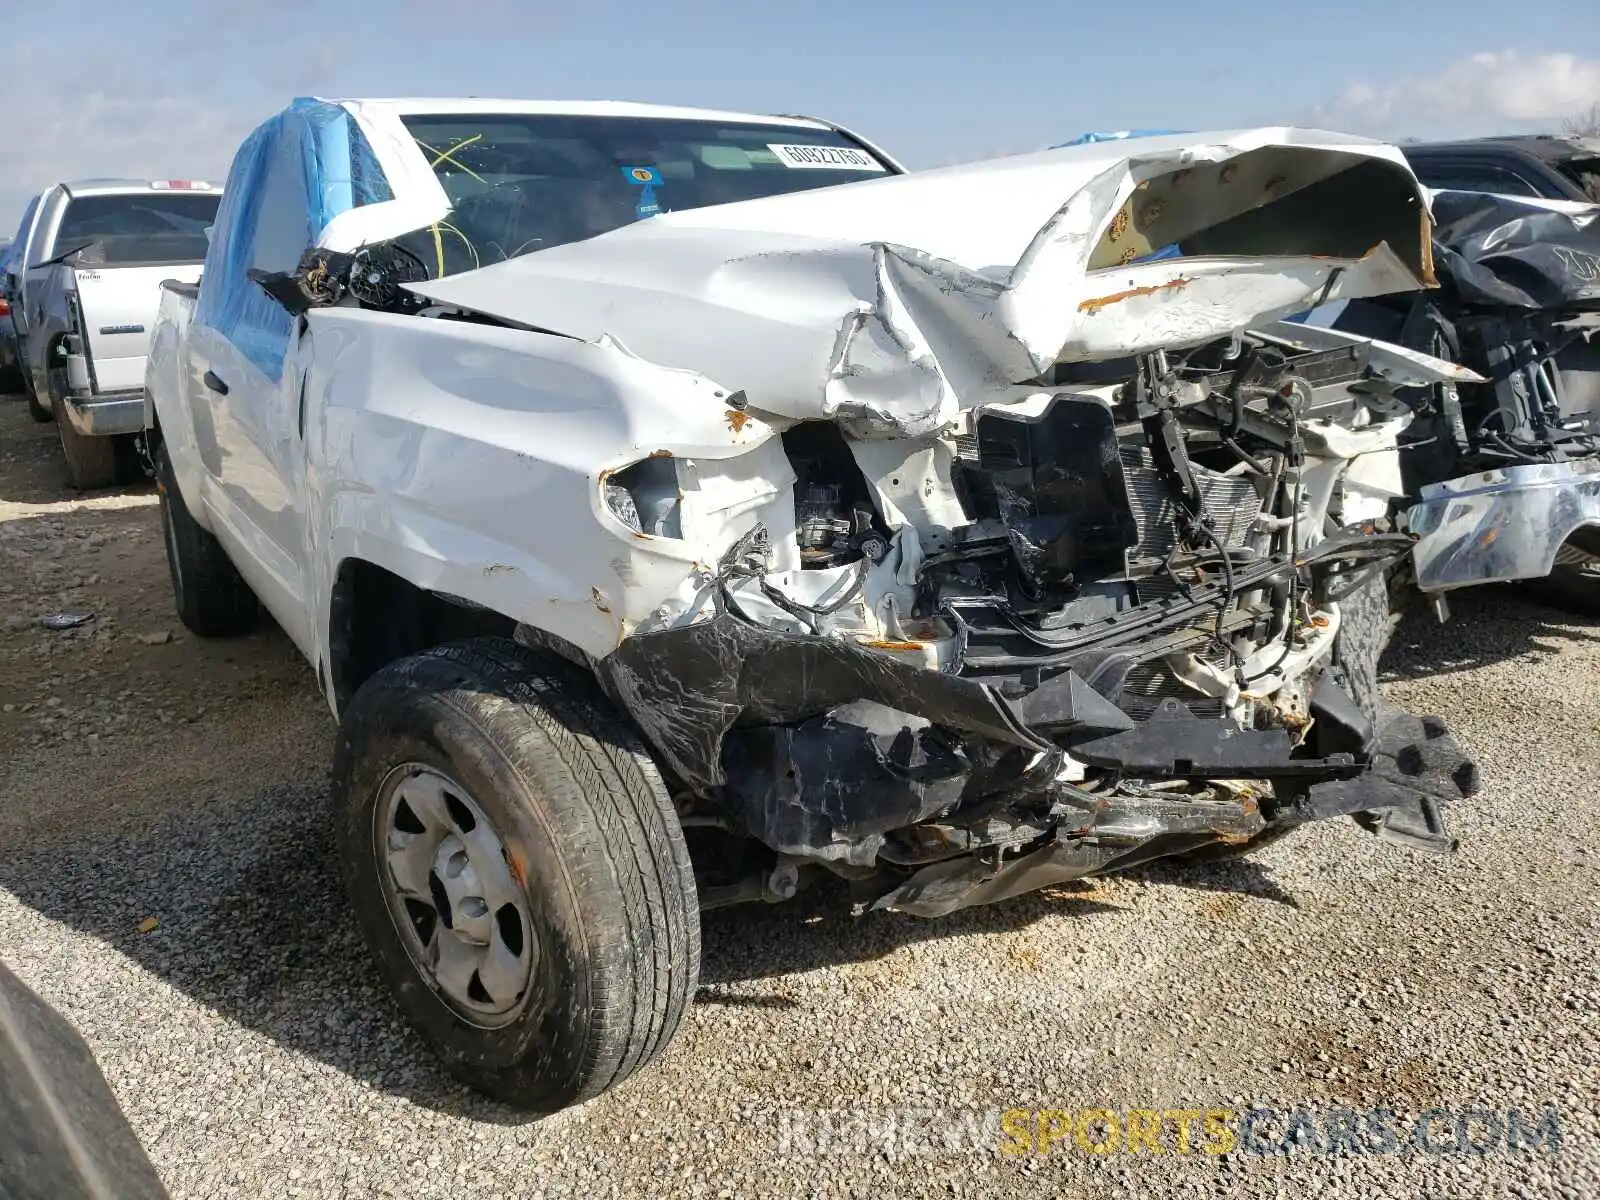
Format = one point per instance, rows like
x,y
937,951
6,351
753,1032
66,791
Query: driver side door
x,y
244,397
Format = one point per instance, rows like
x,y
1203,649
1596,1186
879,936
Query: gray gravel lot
x,y
255,1053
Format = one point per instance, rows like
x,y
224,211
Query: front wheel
x,y
519,870
1570,587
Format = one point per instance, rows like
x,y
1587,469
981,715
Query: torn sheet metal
x,y
1137,830
886,305
1502,525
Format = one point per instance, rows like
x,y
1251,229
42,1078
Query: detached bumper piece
x,y
1501,525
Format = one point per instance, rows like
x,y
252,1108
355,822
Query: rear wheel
x,y
36,410
212,599
518,869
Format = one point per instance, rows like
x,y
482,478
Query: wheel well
x,y
376,617
1586,538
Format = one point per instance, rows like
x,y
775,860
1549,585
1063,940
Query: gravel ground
x,y
247,1038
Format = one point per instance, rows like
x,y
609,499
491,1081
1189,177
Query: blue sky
x,y
168,88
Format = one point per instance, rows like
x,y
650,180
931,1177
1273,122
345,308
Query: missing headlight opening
x,y
645,497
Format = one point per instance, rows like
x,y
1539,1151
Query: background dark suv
x,y
1552,168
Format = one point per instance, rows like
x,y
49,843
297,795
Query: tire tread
x,y
214,601
591,771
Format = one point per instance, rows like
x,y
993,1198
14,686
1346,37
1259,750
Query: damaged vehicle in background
x,y
1504,468
668,528
1498,475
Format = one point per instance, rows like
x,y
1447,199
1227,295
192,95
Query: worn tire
x,y
211,597
36,410
1571,588
91,461
581,809
1366,626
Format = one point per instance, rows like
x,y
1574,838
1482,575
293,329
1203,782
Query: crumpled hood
x,y
896,303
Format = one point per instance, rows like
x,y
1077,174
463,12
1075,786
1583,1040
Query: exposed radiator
x,y
1231,501
1233,505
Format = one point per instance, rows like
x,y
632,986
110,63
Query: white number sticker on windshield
x,y
826,158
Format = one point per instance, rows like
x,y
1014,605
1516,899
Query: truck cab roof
x,y
1548,166
444,105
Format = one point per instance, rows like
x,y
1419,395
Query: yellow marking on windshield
x,y
449,155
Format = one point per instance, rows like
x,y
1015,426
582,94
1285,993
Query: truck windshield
x,y
139,229
523,183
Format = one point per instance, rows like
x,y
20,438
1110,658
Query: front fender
x,y
472,460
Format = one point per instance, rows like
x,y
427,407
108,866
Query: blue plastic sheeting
x,y
1085,139
293,175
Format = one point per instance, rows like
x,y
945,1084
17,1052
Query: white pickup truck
x,y
87,286
682,507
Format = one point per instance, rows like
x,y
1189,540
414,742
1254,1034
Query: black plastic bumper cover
x,y
822,748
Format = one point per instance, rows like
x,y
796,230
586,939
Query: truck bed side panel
x,y
118,307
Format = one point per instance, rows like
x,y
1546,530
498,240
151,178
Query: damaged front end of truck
x,y
1021,553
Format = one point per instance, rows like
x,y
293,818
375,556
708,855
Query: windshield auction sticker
x,y
825,158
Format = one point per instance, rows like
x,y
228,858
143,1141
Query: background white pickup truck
x,y
88,287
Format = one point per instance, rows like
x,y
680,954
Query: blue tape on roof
x,y
297,172
1085,139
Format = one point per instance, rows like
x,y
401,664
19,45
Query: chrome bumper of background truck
x,y
105,415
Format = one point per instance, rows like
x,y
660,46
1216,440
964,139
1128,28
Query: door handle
x,y
214,382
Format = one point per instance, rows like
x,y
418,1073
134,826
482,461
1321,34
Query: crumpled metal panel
x,y
1128,831
1501,525
1505,250
895,304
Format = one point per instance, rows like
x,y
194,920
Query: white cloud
x,y
1492,92
94,119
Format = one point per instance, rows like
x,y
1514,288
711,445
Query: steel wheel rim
x,y
452,895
